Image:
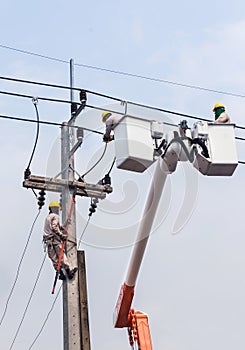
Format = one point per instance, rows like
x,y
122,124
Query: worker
x,y
111,120
219,114
53,238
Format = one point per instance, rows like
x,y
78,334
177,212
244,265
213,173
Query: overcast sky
x,y
192,280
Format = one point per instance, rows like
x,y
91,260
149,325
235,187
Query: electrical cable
x,y
46,123
96,162
87,129
27,171
239,138
111,166
19,266
40,83
88,91
34,193
28,303
15,94
118,72
46,319
133,103
82,234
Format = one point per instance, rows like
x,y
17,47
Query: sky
x,y
191,283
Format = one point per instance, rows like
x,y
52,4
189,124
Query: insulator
x,y
73,108
93,206
80,133
27,173
83,96
107,180
41,199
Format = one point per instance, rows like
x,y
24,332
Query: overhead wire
x,y
15,94
124,73
46,319
107,96
99,108
28,303
96,163
102,95
27,171
83,232
46,123
86,129
18,268
112,164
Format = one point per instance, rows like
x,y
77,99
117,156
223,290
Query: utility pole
x,y
71,293
75,306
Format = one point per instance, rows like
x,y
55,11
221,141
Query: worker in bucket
x,y
53,238
220,115
110,120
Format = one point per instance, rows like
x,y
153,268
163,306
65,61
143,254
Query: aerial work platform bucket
x,y
133,144
220,141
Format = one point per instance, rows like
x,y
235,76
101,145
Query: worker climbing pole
x,y
65,237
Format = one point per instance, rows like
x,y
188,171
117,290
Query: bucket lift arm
x,y
127,290
211,156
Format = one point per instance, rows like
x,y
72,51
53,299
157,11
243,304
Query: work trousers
x,y
54,247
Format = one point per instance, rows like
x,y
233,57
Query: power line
x,y
96,162
39,83
46,319
58,87
33,54
87,129
129,102
28,303
45,123
18,268
28,171
128,74
81,236
40,98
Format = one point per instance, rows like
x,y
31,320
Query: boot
x,y
62,276
71,273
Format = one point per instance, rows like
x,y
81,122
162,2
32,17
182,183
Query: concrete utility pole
x,y
75,305
71,299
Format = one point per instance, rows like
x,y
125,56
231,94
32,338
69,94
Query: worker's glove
x,y
108,139
105,138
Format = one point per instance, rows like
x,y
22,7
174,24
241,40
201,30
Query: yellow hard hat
x,y
54,204
218,105
104,114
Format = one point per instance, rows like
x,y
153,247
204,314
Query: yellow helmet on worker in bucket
x,y
54,204
105,114
218,105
